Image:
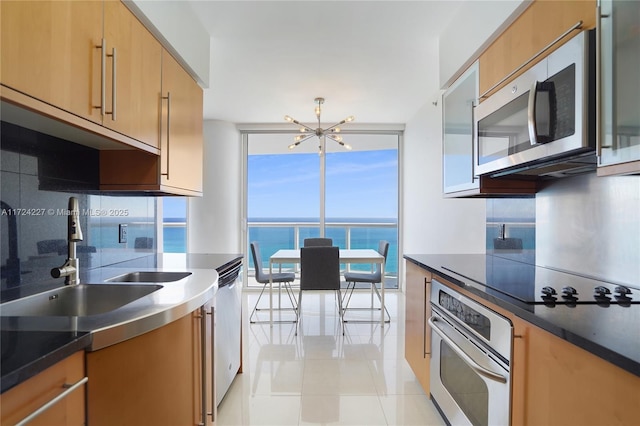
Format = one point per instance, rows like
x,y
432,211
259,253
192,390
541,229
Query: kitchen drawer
x,y
22,400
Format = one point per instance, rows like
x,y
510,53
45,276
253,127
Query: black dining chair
x,y
320,270
317,242
281,279
371,278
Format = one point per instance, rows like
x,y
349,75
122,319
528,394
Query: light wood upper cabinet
x,y
24,399
537,27
137,67
49,53
417,335
182,145
179,168
82,60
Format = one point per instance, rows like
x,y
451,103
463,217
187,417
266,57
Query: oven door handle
x,y
466,358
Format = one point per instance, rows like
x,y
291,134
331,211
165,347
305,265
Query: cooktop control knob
x,y
548,291
622,291
601,291
569,291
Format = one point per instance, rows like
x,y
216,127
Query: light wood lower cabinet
x,y
156,378
19,402
417,335
558,383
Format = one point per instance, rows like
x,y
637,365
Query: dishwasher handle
x,y
462,354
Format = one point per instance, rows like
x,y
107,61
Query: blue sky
x,y
174,207
360,184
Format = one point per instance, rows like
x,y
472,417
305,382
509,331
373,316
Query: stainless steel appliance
x,y
470,360
228,327
542,123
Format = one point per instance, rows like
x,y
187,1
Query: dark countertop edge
x,y
602,352
14,378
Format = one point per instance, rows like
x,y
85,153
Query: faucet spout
x,y
71,268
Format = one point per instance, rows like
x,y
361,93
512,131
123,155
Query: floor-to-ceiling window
x,y
174,224
350,196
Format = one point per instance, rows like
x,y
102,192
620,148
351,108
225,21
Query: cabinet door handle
x,y
203,364
49,404
466,358
576,26
103,87
213,363
113,81
168,98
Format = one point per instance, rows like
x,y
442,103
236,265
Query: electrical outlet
x,y
122,233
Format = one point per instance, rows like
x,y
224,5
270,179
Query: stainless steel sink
x,y
77,300
149,277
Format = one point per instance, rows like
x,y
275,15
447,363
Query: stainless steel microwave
x,y
543,122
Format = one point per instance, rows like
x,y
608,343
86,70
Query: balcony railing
x,y
273,236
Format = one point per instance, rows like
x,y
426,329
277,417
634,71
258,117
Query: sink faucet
x,y
71,268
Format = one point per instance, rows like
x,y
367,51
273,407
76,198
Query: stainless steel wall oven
x,y
471,350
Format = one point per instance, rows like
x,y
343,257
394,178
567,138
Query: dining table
x,y
348,256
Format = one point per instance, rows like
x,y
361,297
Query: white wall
x,y
180,31
433,224
472,29
214,220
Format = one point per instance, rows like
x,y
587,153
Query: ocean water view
x,y
281,233
174,233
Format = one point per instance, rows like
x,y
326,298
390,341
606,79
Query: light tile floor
x,y
323,377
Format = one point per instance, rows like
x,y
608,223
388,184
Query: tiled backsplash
x,y
38,175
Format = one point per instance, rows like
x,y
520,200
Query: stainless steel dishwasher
x,y
228,327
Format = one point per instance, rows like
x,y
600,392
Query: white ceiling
x,y
376,60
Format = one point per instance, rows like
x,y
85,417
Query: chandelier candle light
x,y
307,132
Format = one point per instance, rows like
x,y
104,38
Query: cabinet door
x,y
547,369
152,379
182,145
457,133
417,335
28,396
619,138
49,53
536,28
132,77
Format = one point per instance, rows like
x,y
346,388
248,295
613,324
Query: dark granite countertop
x,y
608,332
27,353
32,344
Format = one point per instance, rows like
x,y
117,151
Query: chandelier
x,y
307,132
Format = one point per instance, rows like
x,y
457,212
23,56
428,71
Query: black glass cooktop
x,y
536,285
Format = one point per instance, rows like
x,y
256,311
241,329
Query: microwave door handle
x,y
462,354
531,114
